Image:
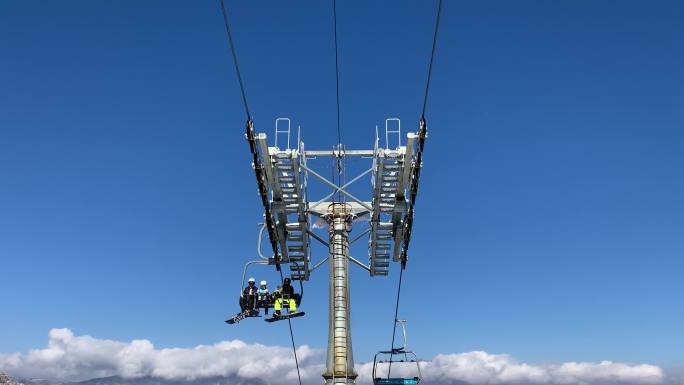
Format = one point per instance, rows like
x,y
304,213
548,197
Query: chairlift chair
x,y
405,357
253,313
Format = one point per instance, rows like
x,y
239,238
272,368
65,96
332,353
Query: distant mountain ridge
x,y
7,380
117,380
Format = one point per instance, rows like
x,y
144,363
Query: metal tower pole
x,y
340,360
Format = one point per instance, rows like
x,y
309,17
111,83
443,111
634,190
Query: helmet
x,y
251,280
262,283
286,280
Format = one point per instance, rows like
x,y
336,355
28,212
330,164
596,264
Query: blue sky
x,y
550,220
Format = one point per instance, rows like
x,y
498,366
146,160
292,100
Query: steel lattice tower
x,y
283,174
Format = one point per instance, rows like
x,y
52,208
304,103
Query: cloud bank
x,y
71,358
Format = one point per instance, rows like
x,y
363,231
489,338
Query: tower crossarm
x,y
284,172
394,179
391,174
401,205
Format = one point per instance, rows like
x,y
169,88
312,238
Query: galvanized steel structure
x,y
283,175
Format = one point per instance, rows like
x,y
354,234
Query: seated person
x,y
289,291
285,294
263,296
249,296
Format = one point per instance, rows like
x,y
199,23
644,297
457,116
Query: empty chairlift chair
x,y
399,358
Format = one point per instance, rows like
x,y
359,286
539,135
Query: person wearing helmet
x,y
249,295
263,296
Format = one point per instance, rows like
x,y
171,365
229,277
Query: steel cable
x,y
416,175
396,315
294,348
235,59
337,74
432,57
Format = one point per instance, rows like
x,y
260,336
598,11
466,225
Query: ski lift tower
x,y
282,174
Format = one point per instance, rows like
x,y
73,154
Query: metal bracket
x,y
331,184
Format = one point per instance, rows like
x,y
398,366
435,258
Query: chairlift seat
x,y
396,381
404,358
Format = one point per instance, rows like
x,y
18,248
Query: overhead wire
x,y
235,59
337,99
396,316
337,73
250,134
258,168
432,58
422,134
294,348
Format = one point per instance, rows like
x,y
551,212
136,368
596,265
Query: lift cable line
x,y
337,95
235,59
396,317
258,167
422,135
337,78
250,135
294,348
432,58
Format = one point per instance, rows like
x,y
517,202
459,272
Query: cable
x,y
235,59
250,135
337,93
294,348
432,58
396,314
422,135
337,73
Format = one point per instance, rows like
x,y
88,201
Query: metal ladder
x,y
340,312
388,168
289,201
340,271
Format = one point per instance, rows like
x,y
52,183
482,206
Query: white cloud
x,y
491,369
70,357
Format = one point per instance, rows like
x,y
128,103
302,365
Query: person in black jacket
x,y
249,296
287,296
287,288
